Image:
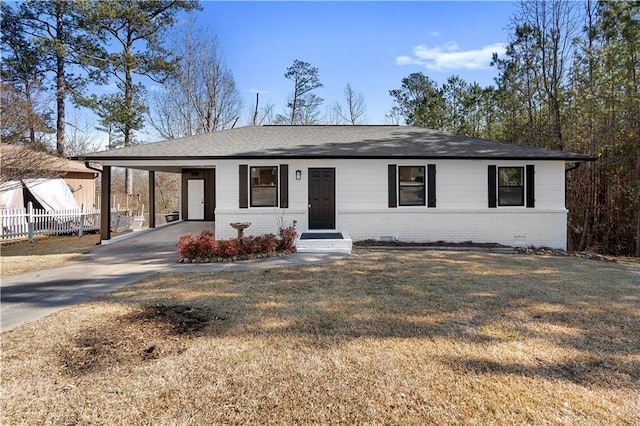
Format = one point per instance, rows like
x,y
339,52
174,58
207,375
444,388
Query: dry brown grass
x,y
397,338
19,257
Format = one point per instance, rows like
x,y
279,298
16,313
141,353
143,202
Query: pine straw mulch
x,y
411,337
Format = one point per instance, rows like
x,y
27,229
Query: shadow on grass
x,y
588,310
605,371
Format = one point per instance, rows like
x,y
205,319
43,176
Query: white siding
x,y
362,211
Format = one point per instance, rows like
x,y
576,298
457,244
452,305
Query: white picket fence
x,y
30,222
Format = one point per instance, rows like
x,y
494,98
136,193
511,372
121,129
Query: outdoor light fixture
x,y
298,174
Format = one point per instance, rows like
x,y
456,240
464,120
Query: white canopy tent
x,y
11,196
51,194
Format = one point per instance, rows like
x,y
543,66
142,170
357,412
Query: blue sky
x,y
371,45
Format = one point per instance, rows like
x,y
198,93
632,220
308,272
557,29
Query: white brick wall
x,y
263,221
509,227
462,212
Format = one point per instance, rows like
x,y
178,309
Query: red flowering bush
x,y
268,244
249,245
188,247
287,237
205,246
229,248
202,246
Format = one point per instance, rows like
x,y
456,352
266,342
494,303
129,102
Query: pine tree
x,y
135,30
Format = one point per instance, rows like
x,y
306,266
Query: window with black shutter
x,y
511,186
431,185
264,186
243,185
409,186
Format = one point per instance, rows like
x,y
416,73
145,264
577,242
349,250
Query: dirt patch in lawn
x,y
144,334
410,337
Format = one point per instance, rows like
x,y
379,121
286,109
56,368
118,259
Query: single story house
x,y
370,182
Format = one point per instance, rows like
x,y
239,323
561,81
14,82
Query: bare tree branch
x,y
25,163
202,96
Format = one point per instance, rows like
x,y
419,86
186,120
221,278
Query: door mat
x,y
321,236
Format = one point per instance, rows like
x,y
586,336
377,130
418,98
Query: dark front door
x,y
322,199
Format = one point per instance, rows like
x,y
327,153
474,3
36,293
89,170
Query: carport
x,y
197,188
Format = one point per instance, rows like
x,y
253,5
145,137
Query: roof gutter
x,y
88,165
337,157
572,167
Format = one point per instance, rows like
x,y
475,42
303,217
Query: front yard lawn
x,y
46,252
400,338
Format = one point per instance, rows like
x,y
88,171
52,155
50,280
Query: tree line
x,y
59,48
568,81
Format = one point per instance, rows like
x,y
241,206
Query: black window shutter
x,y
244,187
393,188
531,186
284,186
493,185
431,185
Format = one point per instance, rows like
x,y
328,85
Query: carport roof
x,y
325,141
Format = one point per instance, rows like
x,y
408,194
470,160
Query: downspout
x,y
566,172
573,167
88,165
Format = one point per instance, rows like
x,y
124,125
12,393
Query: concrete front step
x,y
324,241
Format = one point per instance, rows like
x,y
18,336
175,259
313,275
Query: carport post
x,y
152,199
105,203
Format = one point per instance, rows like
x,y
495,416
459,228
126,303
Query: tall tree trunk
x,y
128,101
60,111
556,122
588,210
637,252
590,202
255,113
32,128
61,86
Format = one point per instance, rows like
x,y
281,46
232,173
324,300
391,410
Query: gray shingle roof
x,y
332,142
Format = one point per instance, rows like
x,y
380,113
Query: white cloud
x,y
449,56
157,88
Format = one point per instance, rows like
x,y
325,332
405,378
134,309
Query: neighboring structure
x,y
82,182
371,182
20,163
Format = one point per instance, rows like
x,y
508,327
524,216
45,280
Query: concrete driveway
x,y
33,295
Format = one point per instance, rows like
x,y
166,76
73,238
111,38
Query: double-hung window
x,y
264,186
511,186
411,183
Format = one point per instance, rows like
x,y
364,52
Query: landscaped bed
x,y
411,337
204,248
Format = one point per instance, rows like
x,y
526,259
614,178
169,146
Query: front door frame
x,y
322,216
209,176
192,204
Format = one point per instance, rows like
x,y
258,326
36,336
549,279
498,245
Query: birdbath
x,y
240,227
